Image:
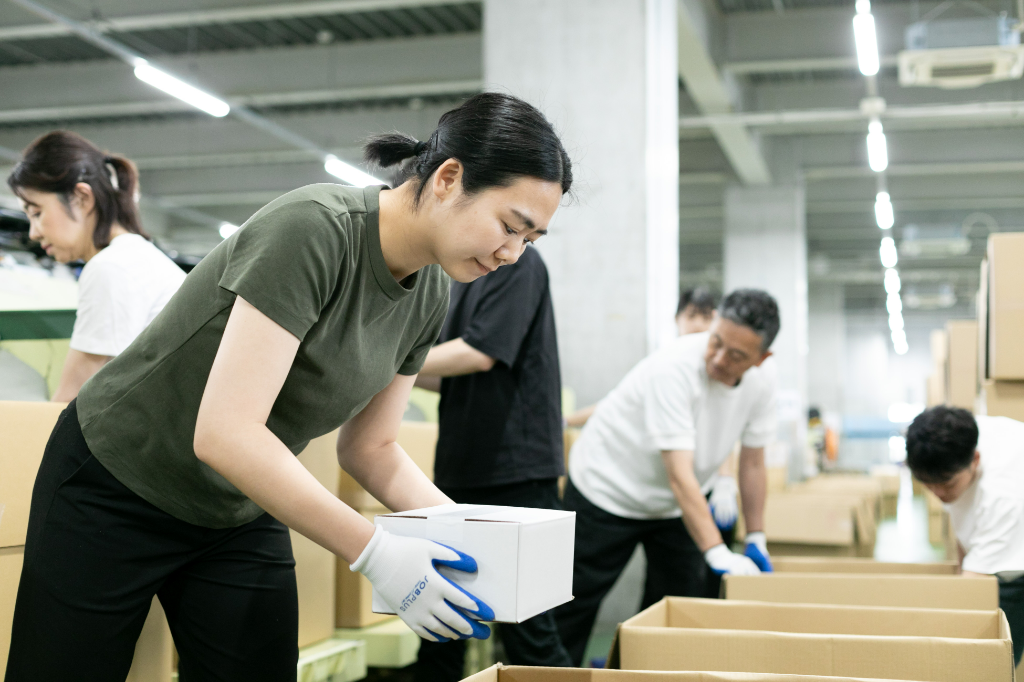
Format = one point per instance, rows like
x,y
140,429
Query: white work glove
x,y
722,561
404,572
757,551
723,504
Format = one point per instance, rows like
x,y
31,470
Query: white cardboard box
x,y
524,556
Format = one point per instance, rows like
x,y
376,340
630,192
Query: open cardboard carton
x,y
934,645
513,673
819,523
524,556
801,564
905,591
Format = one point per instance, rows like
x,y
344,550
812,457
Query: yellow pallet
x,y
390,644
332,660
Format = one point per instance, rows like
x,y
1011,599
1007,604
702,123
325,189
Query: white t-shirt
x,y
667,402
989,517
120,291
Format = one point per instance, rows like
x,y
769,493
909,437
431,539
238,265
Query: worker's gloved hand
x,y
722,561
404,571
757,550
723,504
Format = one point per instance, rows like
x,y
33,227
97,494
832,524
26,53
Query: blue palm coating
x,y
753,552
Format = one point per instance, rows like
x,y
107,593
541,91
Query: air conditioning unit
x,y
961,53
933,241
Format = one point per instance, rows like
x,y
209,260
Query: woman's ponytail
x,y
391,149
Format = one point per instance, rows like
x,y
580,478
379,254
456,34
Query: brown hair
x,y
61,159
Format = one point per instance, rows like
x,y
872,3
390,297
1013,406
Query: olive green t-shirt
x,y
311,261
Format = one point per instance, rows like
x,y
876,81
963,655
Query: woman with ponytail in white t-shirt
x,y
82,205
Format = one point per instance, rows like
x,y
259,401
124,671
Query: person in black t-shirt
x,y
500,431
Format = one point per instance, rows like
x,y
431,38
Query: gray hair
x,y
754,309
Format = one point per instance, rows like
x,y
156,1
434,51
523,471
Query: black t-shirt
x,y
505,425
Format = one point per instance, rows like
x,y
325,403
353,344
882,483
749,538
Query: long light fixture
x,y
894,304
348,172
884,215
147,73
878,153
887,252
865,39
892,281
227,229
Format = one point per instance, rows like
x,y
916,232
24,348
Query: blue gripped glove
x,y
404,572
723,561
757,550
723,504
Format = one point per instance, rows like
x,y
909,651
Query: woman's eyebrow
x,y
526,221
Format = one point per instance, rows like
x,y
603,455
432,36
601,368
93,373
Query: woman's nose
x,y
34,233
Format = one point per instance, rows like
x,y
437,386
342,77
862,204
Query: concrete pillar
x,y
766,248
605,73
827,345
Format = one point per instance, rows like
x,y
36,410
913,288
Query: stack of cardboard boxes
x,y
1000,354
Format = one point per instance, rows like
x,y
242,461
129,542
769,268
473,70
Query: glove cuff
x,y
757,538
362,564
719,552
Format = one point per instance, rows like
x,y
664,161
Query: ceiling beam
x,y
809,64
269,99
707,89
205,17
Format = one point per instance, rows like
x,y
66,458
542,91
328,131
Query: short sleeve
x,y
761,428
506,309
98,322
418,355
286,263
669,399
997,537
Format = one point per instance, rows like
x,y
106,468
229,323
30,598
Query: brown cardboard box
x,y
888,477
154,651
1006,305
906,591
10,575
962,366
935,389
504,673
314,565
867,487
911,644
818,524
981,304
1002,398
26,427
937,527
778,478
354,596
418,439
784,564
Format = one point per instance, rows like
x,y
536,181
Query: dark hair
x,y
59,160
703,301
755,309
940,443
497,138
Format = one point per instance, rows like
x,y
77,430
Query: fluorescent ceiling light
x,y
349,173
892,281
866,40
227,229
183,91
884,215
887,252
895,322
901,413
894,304
878,154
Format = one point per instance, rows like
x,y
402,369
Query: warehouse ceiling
x,y
773,94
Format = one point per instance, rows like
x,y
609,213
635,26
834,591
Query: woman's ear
x,y
447,180
84,198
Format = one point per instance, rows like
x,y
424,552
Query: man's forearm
x,y
455,358
696,515
753,480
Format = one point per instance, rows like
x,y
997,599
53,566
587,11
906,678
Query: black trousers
x,y
532,642
95,555
1011,601
604,544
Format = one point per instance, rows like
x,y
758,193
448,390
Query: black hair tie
x,y
418,149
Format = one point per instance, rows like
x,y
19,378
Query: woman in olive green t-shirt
x,y
173,473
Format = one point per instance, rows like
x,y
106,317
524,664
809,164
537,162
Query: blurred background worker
x,y
81,204
500,430
650,452
975,465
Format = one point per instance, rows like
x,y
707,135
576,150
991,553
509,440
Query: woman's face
x,y
63,230
479,233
